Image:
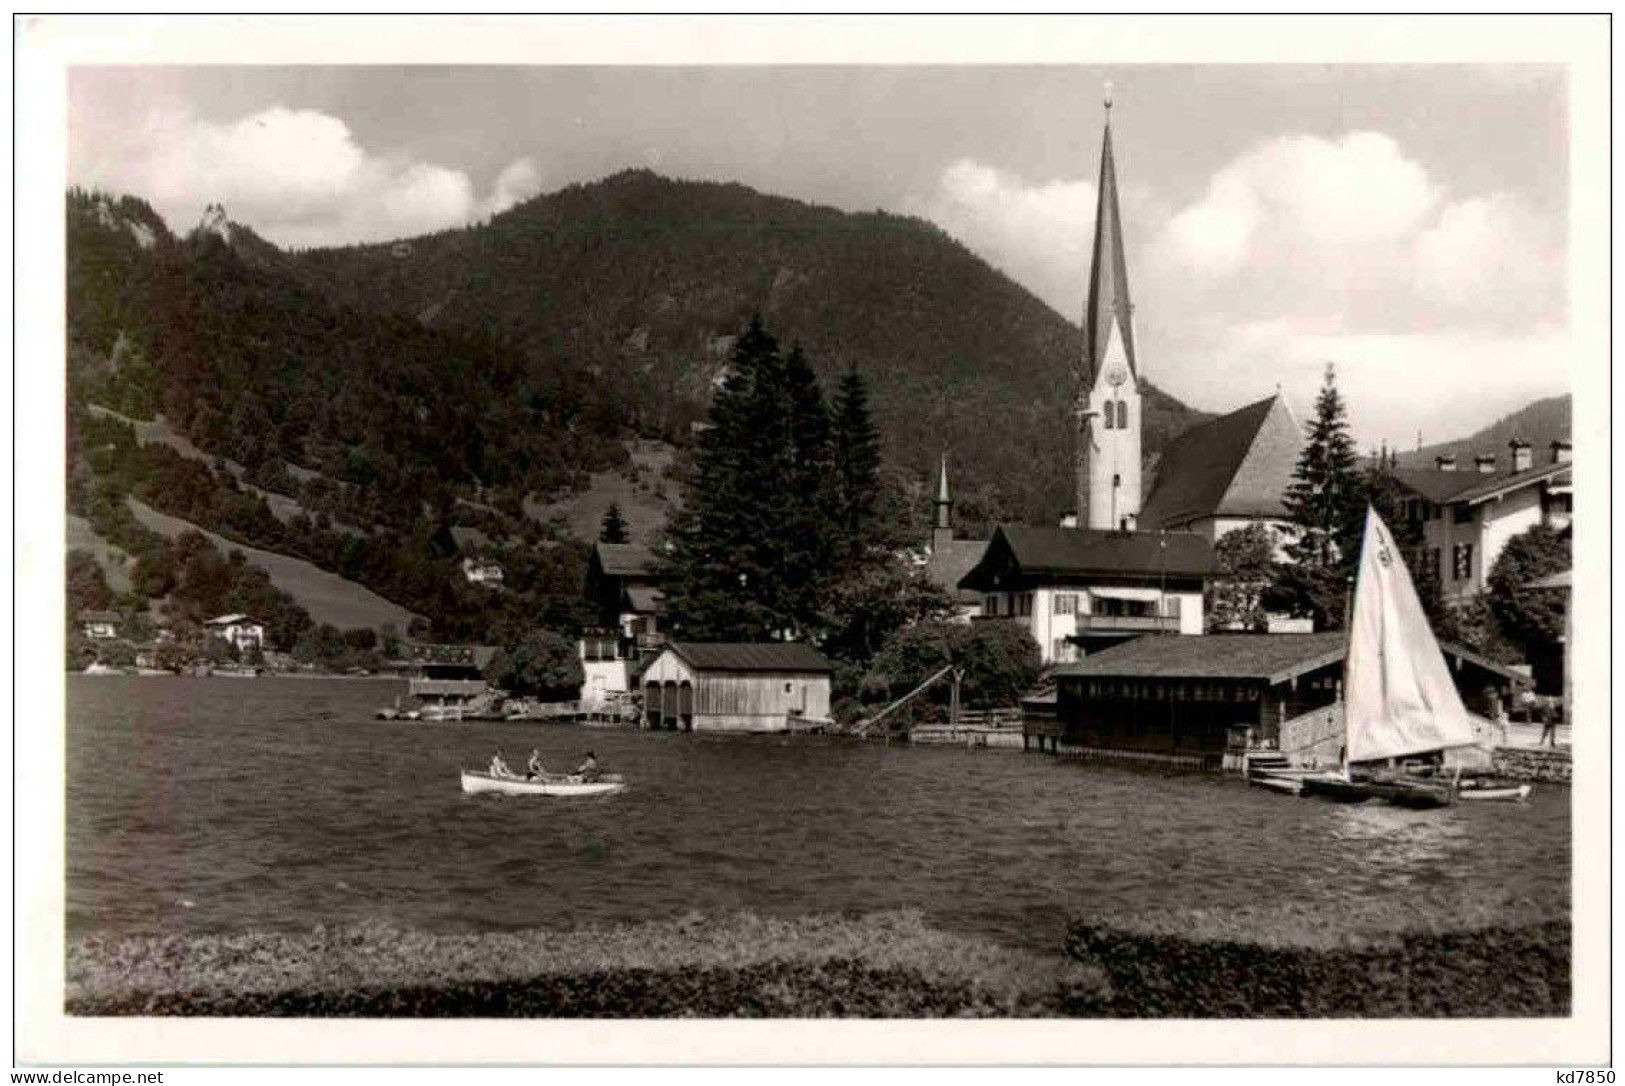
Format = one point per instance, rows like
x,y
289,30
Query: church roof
x,y
950,561
1019,551
1108,302
1237,465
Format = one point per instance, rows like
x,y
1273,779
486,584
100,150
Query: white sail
x,y
1398,695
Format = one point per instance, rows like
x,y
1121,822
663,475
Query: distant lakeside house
x,y
623,589
736,687
1080,590
100,625
1466,518
486,571
240,631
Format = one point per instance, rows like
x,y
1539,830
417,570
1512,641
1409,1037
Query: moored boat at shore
x,y
476,783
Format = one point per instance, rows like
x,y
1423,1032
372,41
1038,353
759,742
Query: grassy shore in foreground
x,y
1284,962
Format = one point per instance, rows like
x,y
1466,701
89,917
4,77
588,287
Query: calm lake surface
x,y
229,804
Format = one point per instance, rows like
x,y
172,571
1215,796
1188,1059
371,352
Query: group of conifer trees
x,y
782,519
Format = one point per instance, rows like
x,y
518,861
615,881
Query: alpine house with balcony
x,y
1079,590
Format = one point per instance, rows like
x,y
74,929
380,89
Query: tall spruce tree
x,y
857,470
613,529
1326,502
749,549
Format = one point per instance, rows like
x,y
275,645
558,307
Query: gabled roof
x,y
645,599
750,656
1273,658
950,561
99,616
1027,552
232,620
1237,465
1446,487
625,559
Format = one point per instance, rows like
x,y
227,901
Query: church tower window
x,y
1122,415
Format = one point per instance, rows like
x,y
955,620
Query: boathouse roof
x,y
1018,552
1273,658
777,656
1237,465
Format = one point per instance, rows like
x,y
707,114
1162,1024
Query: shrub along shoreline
x,y
1277,963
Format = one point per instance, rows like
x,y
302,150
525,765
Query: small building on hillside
x,y
949,559
1194,700
1080,590
486,571
99,625
240,631
1466,518
1228,473
736,687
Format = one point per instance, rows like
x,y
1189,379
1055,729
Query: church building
x,y
948,558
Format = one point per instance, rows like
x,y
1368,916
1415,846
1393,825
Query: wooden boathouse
x,y
1199,700
736,687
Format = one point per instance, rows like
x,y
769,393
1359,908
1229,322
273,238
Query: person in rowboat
x,y
534,767
588,769
499,768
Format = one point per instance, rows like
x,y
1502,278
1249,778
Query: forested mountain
x,y
402,397
644,282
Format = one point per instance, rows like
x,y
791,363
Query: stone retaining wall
x,y
1523,764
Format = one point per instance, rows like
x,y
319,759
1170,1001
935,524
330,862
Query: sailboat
x,y
1398,699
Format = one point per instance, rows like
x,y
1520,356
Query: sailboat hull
x,y
1336,789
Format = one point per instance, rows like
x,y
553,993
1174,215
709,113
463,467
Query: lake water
x,y
229,804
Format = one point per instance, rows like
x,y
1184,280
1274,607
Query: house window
x,y
1122,415
1066,603
1462,514
1170,606
990,604
1113,608
1430,563
1026,603
1461,557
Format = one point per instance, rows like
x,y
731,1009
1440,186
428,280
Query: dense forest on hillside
x,y
406,396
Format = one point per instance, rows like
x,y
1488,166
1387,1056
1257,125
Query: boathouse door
x,y
685,706
651,705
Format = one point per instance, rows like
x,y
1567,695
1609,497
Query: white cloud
x,y
520,180
299,177
1299,252
1038,234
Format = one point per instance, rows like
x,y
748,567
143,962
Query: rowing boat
x,y
475,783
1509,793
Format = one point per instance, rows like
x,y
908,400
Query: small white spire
x,y
1108,87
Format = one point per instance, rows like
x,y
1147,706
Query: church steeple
x,y
1107,400
1108,306
942,522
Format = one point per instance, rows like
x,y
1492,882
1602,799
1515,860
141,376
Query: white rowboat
x,y
476,783
1512,793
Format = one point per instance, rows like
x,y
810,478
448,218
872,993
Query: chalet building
x,y
484,571
1080,590
1195,700
736,687
240,631
1466,518
949,559
624,589
99,625
1228,473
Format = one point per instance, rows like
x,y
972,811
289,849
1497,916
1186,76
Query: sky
x,y
1406,223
